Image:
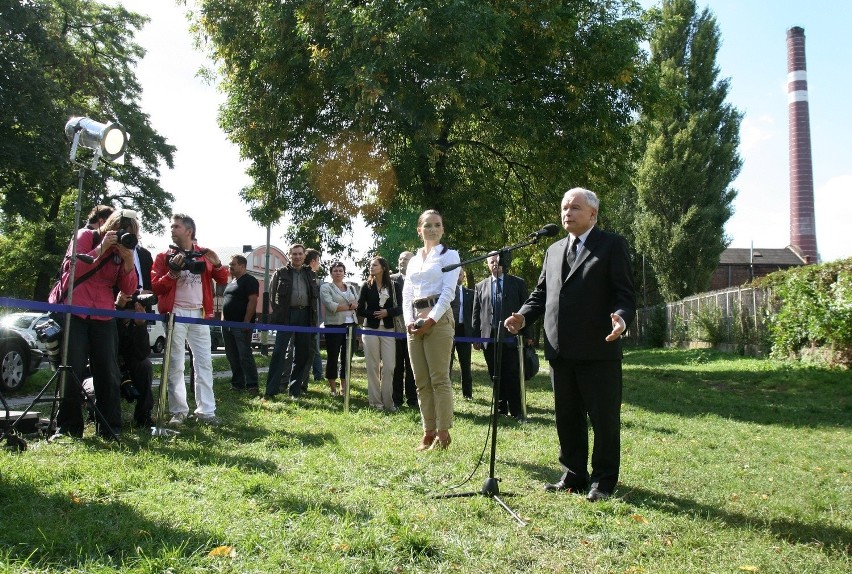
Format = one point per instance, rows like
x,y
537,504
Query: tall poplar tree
x,y
689,136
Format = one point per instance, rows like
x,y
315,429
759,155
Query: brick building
x,y
738,266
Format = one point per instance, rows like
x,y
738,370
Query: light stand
x,y
490,487
109,142
163,402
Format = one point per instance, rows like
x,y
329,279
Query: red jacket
x,y
165,286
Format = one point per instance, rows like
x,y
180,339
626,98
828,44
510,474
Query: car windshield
x,y
18,322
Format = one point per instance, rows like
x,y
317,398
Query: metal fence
x,y
735,316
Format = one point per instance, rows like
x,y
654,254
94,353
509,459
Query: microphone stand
x,y
490,487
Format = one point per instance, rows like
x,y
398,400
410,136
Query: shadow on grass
x,y
687,383
830,538
67,532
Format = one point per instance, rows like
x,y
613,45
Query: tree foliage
x,y
689,137
487,111
63,58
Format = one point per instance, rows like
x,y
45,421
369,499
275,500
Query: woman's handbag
x,y
398,320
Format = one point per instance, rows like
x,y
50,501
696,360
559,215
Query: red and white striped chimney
x,y
802,221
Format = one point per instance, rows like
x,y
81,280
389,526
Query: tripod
x,y
490,487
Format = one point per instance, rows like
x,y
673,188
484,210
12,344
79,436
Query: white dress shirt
x,y
424,278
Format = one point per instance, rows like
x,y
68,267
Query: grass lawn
x,y
729,465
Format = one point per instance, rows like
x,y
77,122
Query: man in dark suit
x,y
462,307
504,294
403,375
585,293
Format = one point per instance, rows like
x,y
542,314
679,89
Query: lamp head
x,y
110,138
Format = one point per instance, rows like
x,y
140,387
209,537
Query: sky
x,y
208,173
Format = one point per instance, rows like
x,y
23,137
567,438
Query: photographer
x,y
133,351
93,339
182,277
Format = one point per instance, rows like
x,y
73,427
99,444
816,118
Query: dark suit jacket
x,y
514,296
467,297
146,261
368,303
576,311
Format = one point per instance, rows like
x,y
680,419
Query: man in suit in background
x,y
403,376
585,293
503,294
462,307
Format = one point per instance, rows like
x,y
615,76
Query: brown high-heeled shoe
x,y
332,386
442,440
426,442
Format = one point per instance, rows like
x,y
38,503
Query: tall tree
x,y
487,111
63,58
689,136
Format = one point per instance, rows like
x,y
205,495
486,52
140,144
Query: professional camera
x,y
50,333
193,261
126,238
147,300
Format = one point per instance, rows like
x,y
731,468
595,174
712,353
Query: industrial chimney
x,y
802,222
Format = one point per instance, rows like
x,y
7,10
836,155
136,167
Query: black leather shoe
x,y
562,485
596,494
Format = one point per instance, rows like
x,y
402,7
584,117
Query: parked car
x,y
217,339
26,323
257,339
19,356
156,336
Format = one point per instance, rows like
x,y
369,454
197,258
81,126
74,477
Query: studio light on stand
x,y
109,142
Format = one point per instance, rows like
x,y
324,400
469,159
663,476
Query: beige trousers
x,y
380,360
430,361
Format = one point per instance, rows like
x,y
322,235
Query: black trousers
x,y
335,354
588,390
403,377
510,377
96,343
462,351
142,376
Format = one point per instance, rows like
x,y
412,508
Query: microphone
x,y
87,259
548,230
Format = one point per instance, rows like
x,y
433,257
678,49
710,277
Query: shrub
x,y
814,310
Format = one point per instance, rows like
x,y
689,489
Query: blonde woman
x,y
426,298
340,304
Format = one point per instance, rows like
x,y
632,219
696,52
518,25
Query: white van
x,y
156,334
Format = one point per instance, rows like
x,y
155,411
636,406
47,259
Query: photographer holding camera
x,y
182,277
133,351
106,263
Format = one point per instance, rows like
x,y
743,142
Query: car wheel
x,y
13,365
159,345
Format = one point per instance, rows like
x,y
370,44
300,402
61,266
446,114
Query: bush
x,y
814,310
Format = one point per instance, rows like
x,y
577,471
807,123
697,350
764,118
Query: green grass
x,y
729,465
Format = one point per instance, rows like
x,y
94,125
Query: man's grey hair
x,y
591,196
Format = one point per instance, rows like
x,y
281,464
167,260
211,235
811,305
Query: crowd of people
x,y
584,293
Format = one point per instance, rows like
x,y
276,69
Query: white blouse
x,y
424,278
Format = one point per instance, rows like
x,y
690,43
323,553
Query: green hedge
x,y
813,310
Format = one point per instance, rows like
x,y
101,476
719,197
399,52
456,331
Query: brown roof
x,y
761,256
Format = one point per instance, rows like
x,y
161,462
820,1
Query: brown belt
x,y
426,302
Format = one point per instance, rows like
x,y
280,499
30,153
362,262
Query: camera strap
x,y
83,277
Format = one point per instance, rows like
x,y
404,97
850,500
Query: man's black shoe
x,y
561,485
252,391
596,494
567,482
